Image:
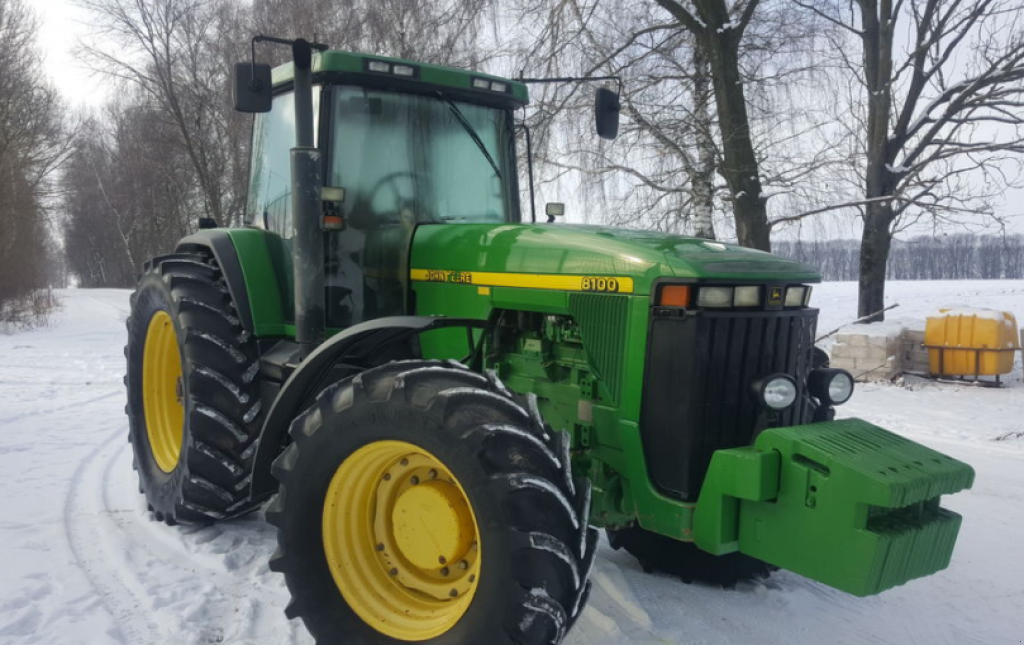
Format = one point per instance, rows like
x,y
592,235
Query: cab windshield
x,y
412,158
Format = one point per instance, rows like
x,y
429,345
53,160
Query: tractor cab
x,y
402,145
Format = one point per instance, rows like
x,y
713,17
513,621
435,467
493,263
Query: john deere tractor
x,y
442,401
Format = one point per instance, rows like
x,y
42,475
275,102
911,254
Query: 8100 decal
x,y
607,285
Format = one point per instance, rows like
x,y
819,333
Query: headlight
x,y
714,297
747,296
796,296
778,391
832,386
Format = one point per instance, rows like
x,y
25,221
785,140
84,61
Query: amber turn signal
x,y
676,295
333,223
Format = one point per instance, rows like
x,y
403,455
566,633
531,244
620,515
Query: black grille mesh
x,y
698,394
603,321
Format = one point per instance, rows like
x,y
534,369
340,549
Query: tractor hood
x,y
578,250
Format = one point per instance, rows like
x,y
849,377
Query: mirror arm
x,y
573,79
260,38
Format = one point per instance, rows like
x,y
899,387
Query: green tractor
x,y
443,402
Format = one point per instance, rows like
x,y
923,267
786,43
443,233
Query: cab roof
x,y
403,72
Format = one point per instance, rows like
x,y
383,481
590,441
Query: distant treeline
x,y
962,256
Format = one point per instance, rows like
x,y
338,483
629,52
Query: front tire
x,y
419,502
659,553
194,408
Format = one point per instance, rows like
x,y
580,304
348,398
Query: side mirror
x,y
252,90
606,113
553,210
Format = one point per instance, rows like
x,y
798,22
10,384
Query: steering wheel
x,y
402,202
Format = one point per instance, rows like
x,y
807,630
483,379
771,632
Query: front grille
x,y
698,394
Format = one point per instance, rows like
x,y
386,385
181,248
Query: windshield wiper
x,y
471,131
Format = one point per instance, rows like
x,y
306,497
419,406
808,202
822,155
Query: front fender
x,y
252,262
361,346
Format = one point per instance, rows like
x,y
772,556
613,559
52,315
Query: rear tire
x,y
195,462
532,541
659,553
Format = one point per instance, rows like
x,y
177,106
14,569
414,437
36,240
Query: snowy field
x,y
82,562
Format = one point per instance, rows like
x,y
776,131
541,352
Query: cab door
x,y
406,159
372,158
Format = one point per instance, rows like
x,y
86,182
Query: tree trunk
x,y
740,168
703,178
719,34
876,242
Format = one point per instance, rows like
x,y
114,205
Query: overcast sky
x,y
62,26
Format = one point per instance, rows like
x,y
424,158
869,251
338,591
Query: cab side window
x,y
270,183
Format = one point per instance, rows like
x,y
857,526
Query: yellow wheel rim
x,y
401,540
162,392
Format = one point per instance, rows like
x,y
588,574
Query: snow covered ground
x,y
82,563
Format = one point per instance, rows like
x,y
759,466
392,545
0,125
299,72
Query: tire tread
x,y
224,410
480,411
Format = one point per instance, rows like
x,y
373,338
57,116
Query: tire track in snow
x,y
162,548
87,523
150,577
60,408
613,582
124,311
143,532
201,583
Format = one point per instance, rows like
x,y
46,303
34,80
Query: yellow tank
x,y
971,341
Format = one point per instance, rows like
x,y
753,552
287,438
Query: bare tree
x,y
170,50
128,195
941,127
32,144
666,169
660,173
446,32
718,27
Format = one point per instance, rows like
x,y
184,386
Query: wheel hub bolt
x,y
387,477
393,572
404,462
453,593
442,559
433,474
414,480
463,565
445,571
380,547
